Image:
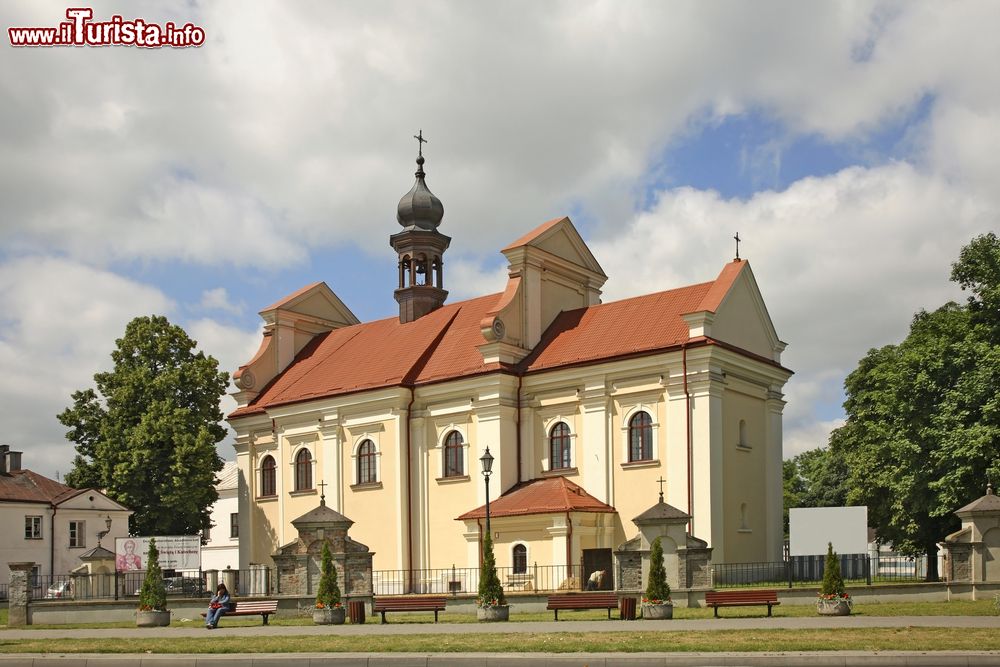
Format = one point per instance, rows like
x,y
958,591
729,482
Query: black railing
x,y
808,570
465,580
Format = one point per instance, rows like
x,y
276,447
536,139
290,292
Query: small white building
x,y
49,523
222,543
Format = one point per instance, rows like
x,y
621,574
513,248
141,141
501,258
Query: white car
x,y
60,589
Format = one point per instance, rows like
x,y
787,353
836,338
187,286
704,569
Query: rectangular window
x,y
234,525
77,534
32,527
36,576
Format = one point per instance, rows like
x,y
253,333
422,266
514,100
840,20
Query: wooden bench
x,y
264,608
564,601
425,603
741,599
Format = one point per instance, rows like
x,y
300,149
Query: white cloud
x,y
809,436
218,299
60,320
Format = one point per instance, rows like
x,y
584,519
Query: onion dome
x,y
419,208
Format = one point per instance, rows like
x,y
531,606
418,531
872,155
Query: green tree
x,y
153,595
148,433
657,588
490,588
922,434
328,593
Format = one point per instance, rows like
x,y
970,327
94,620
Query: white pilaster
x,y
595,454
773,480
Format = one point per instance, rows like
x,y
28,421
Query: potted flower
x,y
833,599
656,603
152,596
329,609
491,603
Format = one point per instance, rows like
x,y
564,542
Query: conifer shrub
x,y
153,594
657,588
490,589
832,587
328,594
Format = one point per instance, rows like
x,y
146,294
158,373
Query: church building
x,y
588,408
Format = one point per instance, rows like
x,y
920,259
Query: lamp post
x,y
487,461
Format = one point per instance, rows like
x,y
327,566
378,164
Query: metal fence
x,y
465,580
124,585
808,570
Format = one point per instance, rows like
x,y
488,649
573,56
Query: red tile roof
x,y
641,324
297,293
443,345
541,496
534,233
26,486
384,353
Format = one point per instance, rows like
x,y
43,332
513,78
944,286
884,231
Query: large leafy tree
x,y
148,433
922,434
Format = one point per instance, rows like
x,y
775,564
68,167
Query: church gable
x,y
733,311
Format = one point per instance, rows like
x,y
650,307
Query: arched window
x,y
640,437
303,471
453,450
559,446
267,477
367,472
520,554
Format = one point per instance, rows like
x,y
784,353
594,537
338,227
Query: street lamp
x,y
487,460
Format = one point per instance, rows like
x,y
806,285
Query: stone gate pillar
x,y
19,593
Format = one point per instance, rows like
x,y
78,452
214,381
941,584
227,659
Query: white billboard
x,y
177,552
811,528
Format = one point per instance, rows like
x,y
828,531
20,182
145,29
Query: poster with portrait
x,y
177,552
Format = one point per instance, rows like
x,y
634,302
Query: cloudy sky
x,y
854,146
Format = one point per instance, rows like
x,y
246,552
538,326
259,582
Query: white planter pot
x,y
833,607
330,616
491,614
657,611
152,619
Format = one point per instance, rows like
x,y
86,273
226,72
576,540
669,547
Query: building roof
x,y
988,503
27,486
595,333
541,496
322,515
444,344
661,512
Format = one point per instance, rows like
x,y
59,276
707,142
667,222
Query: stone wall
x,y
19,594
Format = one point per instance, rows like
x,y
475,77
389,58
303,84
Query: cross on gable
x,y
322,492
661,481
738,239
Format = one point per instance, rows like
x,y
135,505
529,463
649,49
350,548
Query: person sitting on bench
x,y
217,607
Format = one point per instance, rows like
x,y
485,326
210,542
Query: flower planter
x,y
329,616
657,611
492,614
152,619
833,607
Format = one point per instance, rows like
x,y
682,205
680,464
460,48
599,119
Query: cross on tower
x,y
661,481
322,493
737,237
419,136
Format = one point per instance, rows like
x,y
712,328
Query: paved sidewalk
x,y
375,628
818,659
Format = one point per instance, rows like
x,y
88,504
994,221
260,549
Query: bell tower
x,y
420,247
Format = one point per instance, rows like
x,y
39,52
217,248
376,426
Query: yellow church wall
x,y
379,521
635,485
743,494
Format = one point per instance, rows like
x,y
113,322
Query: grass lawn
x,y
954,608
868,639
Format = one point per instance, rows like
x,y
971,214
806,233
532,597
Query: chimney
x,y
13,460
3,458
